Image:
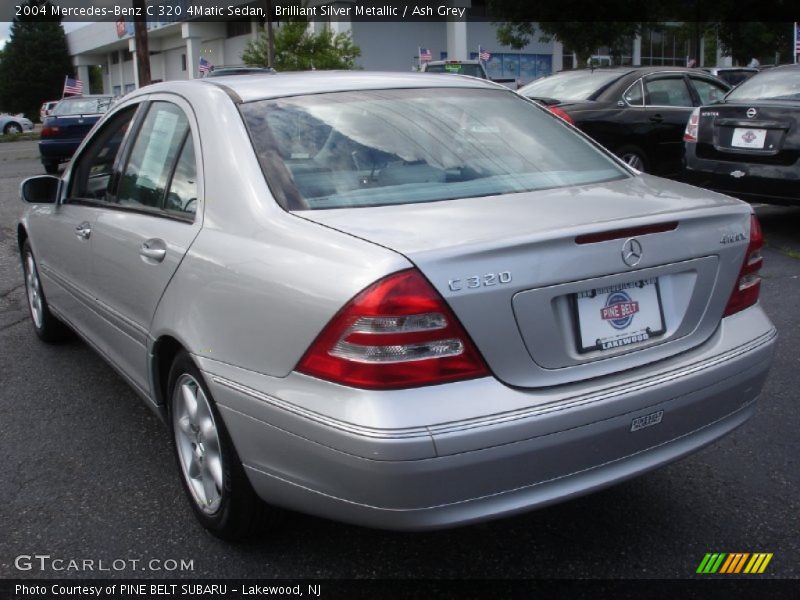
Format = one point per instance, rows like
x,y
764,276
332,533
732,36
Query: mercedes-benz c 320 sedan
x,y
401,300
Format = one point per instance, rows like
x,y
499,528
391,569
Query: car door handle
x,y
656,119
84,230
153,250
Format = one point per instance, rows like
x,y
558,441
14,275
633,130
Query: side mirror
x,y
42,189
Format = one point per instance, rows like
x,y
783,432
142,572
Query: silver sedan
x,y
405,301
12,124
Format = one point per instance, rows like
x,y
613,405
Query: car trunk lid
x,y
747,133
529,274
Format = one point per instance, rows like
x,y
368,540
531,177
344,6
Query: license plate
x,y
619,315
744,137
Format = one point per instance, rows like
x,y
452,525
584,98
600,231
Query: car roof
x,y
252,87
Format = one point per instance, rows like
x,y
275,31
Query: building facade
x,y
176,47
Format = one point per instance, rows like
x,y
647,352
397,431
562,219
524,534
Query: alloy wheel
x,y
198,444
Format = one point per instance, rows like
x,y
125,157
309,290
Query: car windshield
x,y
773,84
385,147
471,69
82,106
570,86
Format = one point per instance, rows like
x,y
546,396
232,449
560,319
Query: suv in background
x,y
47,110
473,68
64,130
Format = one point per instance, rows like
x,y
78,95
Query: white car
x,y
11,124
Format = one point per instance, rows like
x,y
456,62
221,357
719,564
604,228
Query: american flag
x,y
425,55
796,39
205,66
72,86
483,54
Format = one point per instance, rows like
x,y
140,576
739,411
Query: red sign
x,y
619,310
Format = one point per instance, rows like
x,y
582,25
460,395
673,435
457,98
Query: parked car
x,y
46,110
639,113
406,301
68,124
732,75
748,145
225,71
472,68
12,124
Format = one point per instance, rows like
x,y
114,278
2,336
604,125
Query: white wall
x,y
394,46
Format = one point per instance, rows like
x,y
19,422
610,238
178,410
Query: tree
x,y
298,49
745,40
580,37
35,63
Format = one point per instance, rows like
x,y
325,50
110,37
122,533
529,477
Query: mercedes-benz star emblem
x,y
751,112
632,252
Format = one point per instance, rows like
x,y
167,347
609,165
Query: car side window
x,y
670,91
95,165
709,92
146,176
634,95
182,195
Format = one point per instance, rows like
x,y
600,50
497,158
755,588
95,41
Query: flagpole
x,y
64,87
794,54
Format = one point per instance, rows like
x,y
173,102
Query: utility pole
x,y
270,36
142,48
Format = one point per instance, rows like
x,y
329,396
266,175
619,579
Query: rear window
x,y
82,106
570,86
385,147
470,69
774,84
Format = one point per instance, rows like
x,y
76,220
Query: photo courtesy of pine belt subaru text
x,y
405,301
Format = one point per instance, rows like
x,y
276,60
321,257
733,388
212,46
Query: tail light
x,y
49,132
748,284
397,333
561,113
692,126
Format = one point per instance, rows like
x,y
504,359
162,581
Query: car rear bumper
x,y
777,184
447,474
51,150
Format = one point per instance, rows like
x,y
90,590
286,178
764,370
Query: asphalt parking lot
x,y
88,475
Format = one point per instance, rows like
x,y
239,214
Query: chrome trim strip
x,y
426,432
371,432
608,393
117,320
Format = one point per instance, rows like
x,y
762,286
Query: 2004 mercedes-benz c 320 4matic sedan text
x,y
405,301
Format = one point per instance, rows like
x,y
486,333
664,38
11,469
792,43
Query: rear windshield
x,y
82,106
773,84
384,147
458,68
570,86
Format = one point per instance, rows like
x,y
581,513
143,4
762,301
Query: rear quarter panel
x,y
258,284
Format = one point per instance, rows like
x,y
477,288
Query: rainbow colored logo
x,y
734,563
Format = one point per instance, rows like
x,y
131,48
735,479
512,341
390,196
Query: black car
x,y
748,145
639,113
68,123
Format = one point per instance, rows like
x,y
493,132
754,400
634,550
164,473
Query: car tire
x,y
50,167
211,472
47,327
12,128
634,157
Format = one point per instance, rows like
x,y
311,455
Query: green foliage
x,y
298,49
745,40
35,63
582,38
